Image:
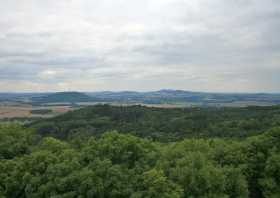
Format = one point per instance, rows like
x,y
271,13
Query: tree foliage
x,y
163,124
117,165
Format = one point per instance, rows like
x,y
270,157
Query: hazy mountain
x,y
154,97
171,96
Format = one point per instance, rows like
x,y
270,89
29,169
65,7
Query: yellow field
x,y
24,111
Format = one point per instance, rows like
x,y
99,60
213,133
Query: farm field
x,y
28,111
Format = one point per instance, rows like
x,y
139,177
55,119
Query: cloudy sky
x,y
94,45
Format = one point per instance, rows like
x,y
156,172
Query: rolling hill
x,y
180,96
165,96
161,123
62,97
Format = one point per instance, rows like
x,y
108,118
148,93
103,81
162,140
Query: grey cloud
x,y
114,44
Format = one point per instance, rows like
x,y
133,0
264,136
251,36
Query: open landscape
x,y
28,111
43,105
135,150
139,99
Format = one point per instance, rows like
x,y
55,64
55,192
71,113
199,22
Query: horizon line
x,y
148,91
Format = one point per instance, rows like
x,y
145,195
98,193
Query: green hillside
x,y
163,124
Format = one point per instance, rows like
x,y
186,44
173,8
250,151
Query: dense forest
x,y
138,152
162,124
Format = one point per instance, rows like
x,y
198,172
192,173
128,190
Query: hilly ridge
x,y
166,96
161,123
63,97
180,96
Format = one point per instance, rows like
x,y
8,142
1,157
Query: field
x,y
13,110
27,111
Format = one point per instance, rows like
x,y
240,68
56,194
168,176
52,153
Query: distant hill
x,y
63,97
165,96
180,96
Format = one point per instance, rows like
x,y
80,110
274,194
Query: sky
x,y
96,45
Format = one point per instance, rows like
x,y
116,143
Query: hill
x,y
63,97
162,97
111,164
162,124
188,98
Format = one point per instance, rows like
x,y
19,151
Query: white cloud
x,y
141,45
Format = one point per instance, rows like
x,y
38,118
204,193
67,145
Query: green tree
x,y
271,181
15,140
154,183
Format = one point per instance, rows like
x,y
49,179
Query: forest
x,y
133,151
162,124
